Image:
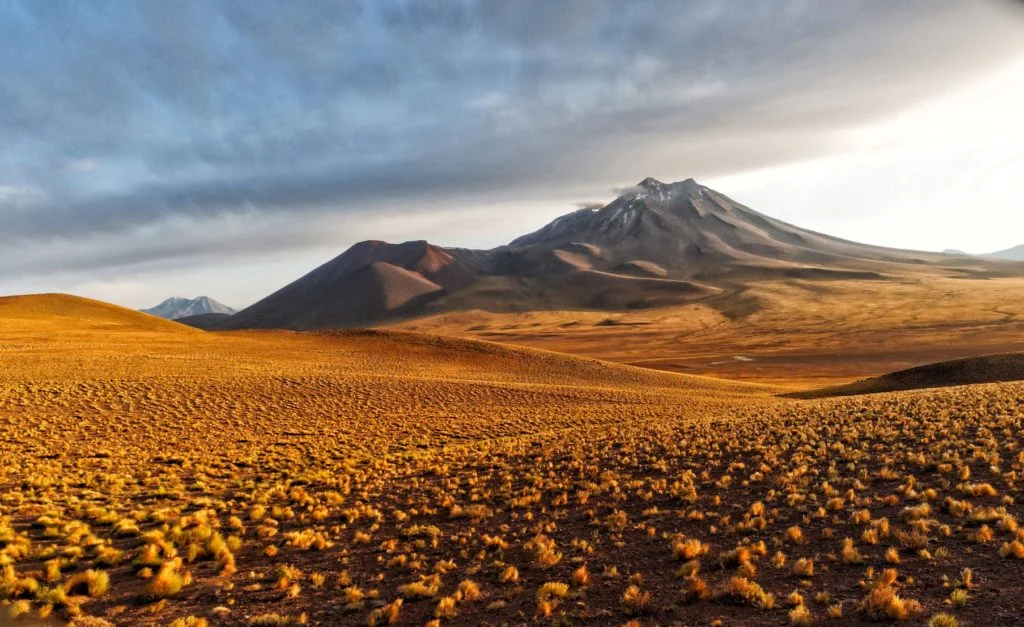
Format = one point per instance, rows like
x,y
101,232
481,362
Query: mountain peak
x,y
650,185
179,307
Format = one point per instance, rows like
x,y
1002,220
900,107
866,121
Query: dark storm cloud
x,y
120,115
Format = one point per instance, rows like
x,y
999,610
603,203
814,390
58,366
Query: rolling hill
x,y
65,328
61,315
970,371
658,244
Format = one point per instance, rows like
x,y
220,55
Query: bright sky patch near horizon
x,y
159,149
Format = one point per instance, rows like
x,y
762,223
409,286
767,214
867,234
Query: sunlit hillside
x,y
272,478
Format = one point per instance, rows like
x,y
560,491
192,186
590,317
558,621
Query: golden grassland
x,y
154,474
795,333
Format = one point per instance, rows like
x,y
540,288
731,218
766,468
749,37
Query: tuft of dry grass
x,y
94,582
803,567
169,580
749,592
635,601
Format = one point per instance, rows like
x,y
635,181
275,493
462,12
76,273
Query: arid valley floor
x,y
156,474
794,333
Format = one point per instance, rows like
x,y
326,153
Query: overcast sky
x,y
150,149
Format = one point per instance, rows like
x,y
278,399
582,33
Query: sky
x,y
151,149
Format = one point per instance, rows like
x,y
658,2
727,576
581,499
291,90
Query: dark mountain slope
x,y
370,281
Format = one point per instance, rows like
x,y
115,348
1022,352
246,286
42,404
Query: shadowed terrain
x,y
203,321
985,369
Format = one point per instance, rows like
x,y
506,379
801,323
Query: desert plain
x,y
157,474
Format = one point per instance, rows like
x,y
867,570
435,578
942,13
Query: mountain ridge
x,y
656,244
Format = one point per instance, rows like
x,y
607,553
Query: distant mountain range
x,y
657,244
1014,254
1010,254
177,307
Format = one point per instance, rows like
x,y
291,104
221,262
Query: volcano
x,y
657,244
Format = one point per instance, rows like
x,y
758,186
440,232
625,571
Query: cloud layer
x,y
223,129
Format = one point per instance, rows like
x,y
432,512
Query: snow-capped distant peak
x,y
178,307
